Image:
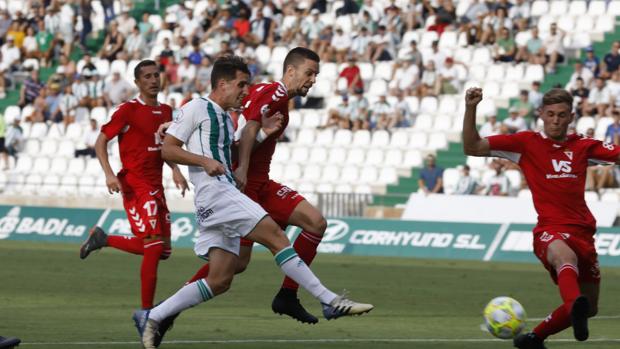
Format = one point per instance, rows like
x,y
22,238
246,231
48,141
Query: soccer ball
x,y
504,317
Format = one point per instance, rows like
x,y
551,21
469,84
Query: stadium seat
x,y
605,24
41,165
363,189
450,179
279,53
329,71
366,70
413,103
343,137
56,131
418,140
49,186
591,196
428,36
311,173
514,72
525,194
331,174
356,156
276,171
514,177
311,119
324,137
393,158
423,122
610,196
476,162
437,141
566,23
428,105
496,72
299,155
38,131
584,123
49,147
368,174
410,36
100,114
349,175
597,8
464,54
294,119
343,189
317,155
292,172
164,34
383,70
23,165
26,112
305,136
32,184
345,23
361,138
11,112
324,188
86,186
539,8
93,167
380,138
337,155
448,104
544,23
510,89
399,139
118,65
305,188
558,7
448,40
32,147
442,123
477,72
388,175
322,88
534,72
374,157
76,166
412,158
601,127
482,55
281,154
263,54
378,87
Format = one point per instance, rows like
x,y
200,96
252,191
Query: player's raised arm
x,y
472,143
101,149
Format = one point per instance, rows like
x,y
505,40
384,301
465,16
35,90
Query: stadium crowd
x,y
187,38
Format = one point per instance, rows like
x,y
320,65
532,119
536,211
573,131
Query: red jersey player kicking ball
x,y
284,205
554,164
140,180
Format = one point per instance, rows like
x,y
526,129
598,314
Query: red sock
x,y
568,285
126,243
305,245
200,274
148,272
558,320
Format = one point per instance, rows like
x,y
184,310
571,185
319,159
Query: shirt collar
x,y
217,107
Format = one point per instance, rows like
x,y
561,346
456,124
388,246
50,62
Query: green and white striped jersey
x,y
207,130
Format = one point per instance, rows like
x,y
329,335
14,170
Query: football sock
x,y
148,271
296,269
202,273
305,245
558,320
187,297
126,243
568,285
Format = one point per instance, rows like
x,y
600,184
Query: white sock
x,y
290,263
187,297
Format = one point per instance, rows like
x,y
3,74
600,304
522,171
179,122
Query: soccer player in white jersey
x,y
223,213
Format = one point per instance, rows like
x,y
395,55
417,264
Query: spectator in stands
x,y
186,76
429,83
535,97
135,46
533,51
580,72
524,106
497,184
360,45
68,105
352,74
414,55
203,76
580,94
3,153
403,116
339,46
519,10
476,11
515,122
554,48
436,55
614,88
11,55
431,177
171,75
89,89
30,48
113,43
405,78
14,138
383,45
491,127
612,135
380,114
30,89
336,116
85,12
53,112
46,44
466,185
611,61
117,90
5,24
449,77
591,62
505,48
146,27
598,100
90,137
359,105
67,68
108,11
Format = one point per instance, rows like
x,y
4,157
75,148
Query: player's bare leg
x,y
313,226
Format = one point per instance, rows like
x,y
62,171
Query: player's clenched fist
x,y
214,168
113,184
473,96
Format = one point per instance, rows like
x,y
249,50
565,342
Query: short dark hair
x,y
558,95
226,68
297,56
139,66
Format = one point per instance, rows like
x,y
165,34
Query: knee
x,y
241,266
220,285
318,225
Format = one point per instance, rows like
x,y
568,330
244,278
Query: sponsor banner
x,y
364,237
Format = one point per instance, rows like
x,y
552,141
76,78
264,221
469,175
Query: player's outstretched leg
x,y
528,341
287,303
579,318
96,240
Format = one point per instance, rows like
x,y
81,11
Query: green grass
x,y
48,295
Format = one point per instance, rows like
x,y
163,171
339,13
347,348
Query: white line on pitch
x,y
601,317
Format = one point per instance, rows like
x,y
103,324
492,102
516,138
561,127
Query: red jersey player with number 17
x,y
554,164
284,205
136,123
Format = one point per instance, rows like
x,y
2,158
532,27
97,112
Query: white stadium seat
x,y
38,130
317,155
539,8
343,137
49,147
331,174
299,155
361,138
337,156
418,140
450,180
380,138
399,139
356,156
374,157
324,137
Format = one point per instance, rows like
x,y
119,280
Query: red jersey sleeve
x,y
118,122
603,152
510,147
263,99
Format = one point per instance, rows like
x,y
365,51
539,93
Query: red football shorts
x,y
583,247
147,213
277,199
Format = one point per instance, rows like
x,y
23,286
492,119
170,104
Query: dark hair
x,y
558,95
226,68
138,68
297,56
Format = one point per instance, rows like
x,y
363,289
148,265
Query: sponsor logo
x,y
14,223
563,167
153,223
157,112
518,241
607,244
203,213
545,237
336,230
153,192
569,154
284,191
416,239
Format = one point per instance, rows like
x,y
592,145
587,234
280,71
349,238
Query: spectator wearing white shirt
x,y
89,89
381,113
515,122
491,127
360,45
30,46
90,138
68,105
126,23
466,185
383,45
449,77
340,45
520,9
117,90
134,44
312,26
405,78
14,138
598,100
497,184
554,48
429,85
580,72
10,55
186,74
437,56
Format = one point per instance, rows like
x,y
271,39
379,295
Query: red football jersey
x,y
556,175
136,124
275,97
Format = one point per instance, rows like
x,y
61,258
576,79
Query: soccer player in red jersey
x,y
554,164
284,205
140,180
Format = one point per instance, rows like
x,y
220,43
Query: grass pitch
x,y
52,299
